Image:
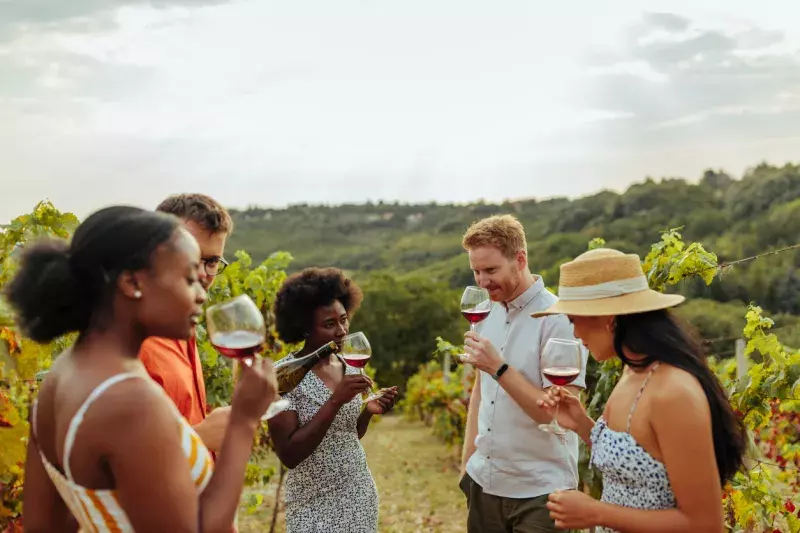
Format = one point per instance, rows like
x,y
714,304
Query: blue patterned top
x,y
631,476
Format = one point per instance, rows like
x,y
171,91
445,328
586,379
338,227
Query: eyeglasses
x,y
214,265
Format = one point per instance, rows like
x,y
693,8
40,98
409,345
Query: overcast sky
x,y
271,103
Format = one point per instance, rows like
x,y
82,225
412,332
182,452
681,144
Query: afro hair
x,y
302,293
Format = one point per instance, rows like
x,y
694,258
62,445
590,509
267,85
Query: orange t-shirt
x,y
175,365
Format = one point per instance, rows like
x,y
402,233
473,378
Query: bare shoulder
x,y
132,405
677,394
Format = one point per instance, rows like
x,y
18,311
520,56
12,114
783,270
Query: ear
x,y
610,323
522,259
128,284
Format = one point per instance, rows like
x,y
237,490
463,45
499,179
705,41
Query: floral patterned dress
x,y
332,490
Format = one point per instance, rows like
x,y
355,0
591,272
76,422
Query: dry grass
x,y
417,478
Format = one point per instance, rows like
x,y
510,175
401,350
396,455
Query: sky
x,y
260,102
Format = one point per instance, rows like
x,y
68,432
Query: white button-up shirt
x,y
513,457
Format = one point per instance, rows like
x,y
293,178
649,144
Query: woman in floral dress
x,y
329,487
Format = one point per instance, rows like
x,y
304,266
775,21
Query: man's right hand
x,y
212,428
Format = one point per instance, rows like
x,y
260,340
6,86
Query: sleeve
x,y
293,398
559,327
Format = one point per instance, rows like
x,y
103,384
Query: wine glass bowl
x,y
475,306
561,363
356,352
236,329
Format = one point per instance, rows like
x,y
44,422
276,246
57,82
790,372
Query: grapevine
x,y
21,359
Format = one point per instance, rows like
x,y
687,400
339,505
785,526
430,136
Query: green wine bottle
x,y
291,372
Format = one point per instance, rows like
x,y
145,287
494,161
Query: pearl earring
x,y
137,294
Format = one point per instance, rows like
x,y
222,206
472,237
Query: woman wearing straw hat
x,y
668,438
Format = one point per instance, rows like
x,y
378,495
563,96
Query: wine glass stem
x,y
365,394
555,419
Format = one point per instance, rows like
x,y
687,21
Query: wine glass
x,y
236,329
475,306
561,364
356,352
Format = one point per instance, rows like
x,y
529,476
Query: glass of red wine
x,y
356,352
475,306
236,329
561,364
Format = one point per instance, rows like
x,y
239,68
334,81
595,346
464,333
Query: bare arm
x,y
213,427
363,423
219,501
42,506
471,431
293,442
691,467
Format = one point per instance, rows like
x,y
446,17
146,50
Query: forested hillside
x,y
420,244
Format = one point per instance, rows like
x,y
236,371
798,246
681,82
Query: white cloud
x,y
276,102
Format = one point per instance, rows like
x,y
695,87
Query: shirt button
x,y
492,402
489,429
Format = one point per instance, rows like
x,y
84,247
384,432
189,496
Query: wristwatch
x,y
500,371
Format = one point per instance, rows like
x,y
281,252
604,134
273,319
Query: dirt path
x,y
417,478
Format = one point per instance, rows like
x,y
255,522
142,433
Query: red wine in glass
x,y
474,316
237,344
561,375
356,360
561,362
475,306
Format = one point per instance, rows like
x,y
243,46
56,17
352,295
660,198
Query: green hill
x,y
418,247
733,218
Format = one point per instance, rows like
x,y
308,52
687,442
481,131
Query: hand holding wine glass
x,y
560,403
561,363
255,390
236,329
356,352
384,403
351,386
475,306
481,353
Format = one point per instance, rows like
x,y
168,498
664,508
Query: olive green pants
x,y
496,514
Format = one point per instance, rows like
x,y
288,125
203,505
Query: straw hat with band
x,y
605,282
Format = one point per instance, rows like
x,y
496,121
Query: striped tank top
x,y
99,511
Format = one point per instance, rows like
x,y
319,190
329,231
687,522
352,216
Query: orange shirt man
x,y
175,365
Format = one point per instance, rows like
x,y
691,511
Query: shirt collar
x,y
526,297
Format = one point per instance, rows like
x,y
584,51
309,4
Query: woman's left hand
x,y
385,403
572,509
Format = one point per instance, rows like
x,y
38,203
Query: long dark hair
x,y
63,287
660,337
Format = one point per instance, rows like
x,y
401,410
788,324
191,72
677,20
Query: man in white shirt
x,y
509,465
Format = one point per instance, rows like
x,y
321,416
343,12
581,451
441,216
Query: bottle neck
x,y
314,356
